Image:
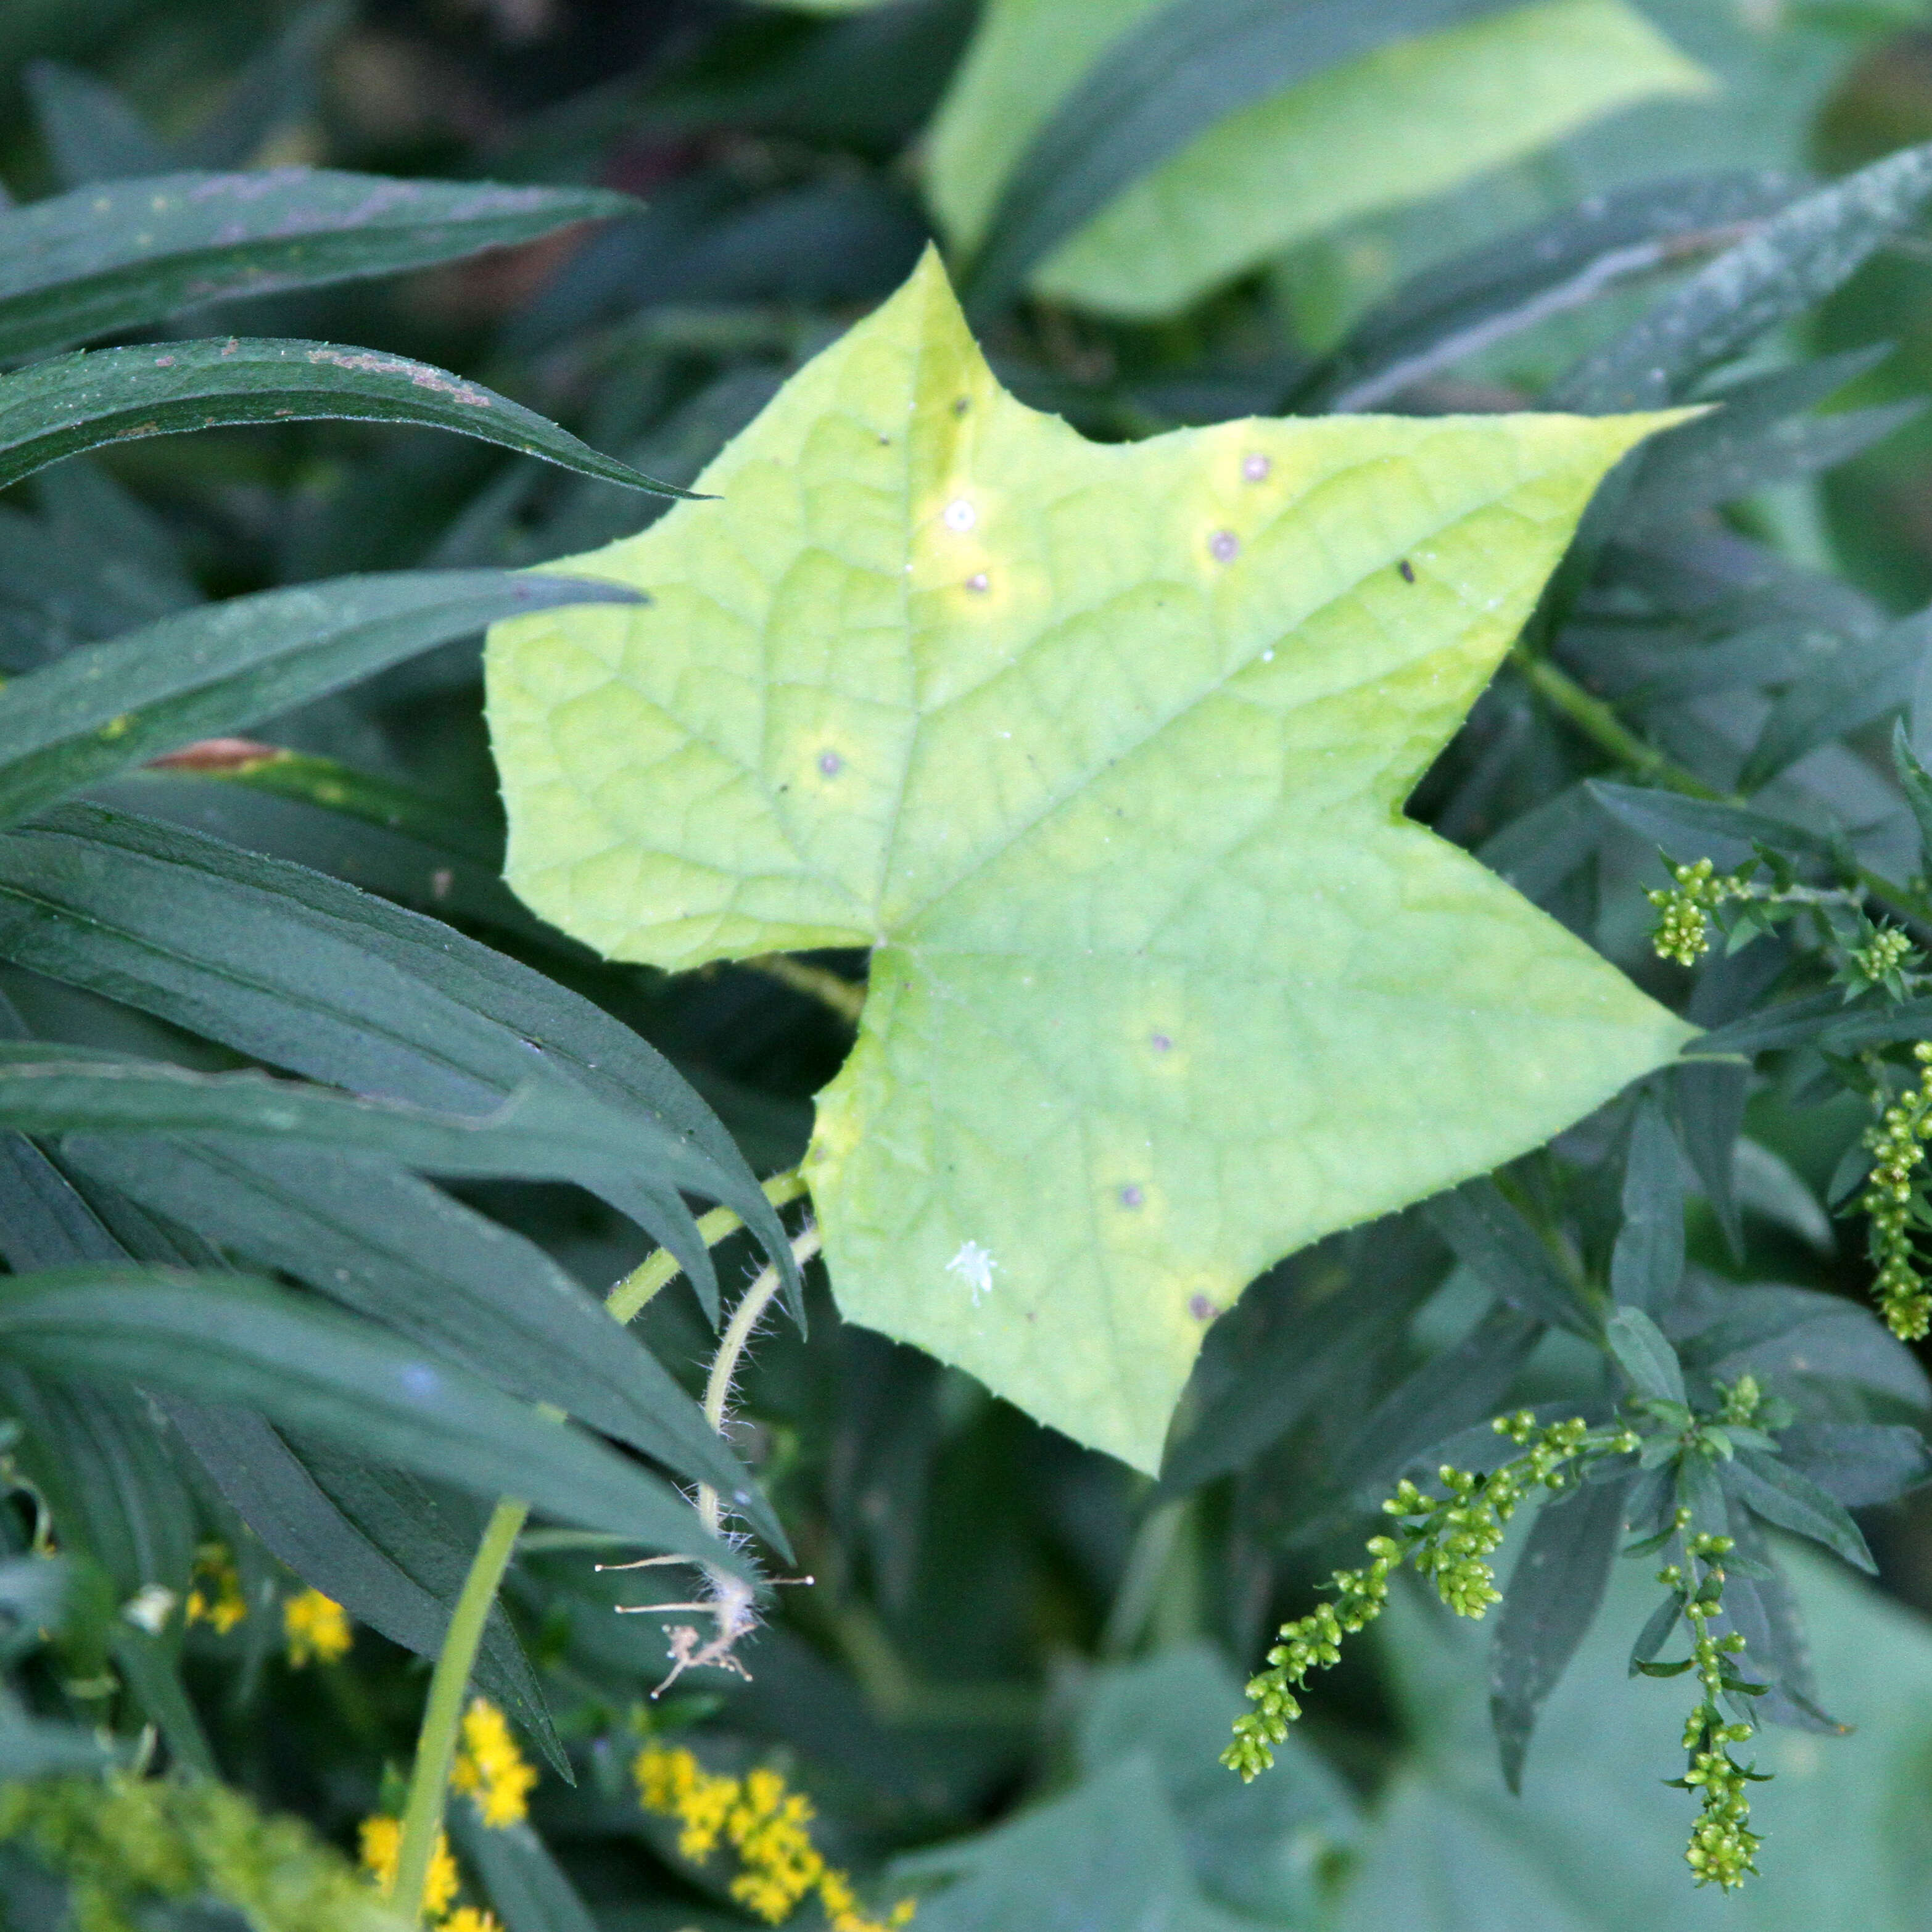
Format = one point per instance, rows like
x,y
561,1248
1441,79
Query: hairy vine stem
x,y
443,1713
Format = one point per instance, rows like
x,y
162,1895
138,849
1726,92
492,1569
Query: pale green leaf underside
x,y
1409,121
1102,750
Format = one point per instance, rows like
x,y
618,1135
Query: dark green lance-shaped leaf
x,y
1710,1111
1189,65
524,1883
152,1674
1757,433
1761,1607
1476,300
274,1493
1695,828
225,666
1443,1397
1491,1238
1657,1630
93,398
91,133
381,1241
277,89
305,973
1794,259
106,1474
1789,1023
1773,1331
1771,1488
1647,1263
242,1342
104,259
1553,1595
1916,783
1272,1356
1861,681
1876,1026
539,1133
1644,1355
1858,1464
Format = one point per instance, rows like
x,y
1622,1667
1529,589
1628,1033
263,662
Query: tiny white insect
x,y
959,514
974,1266
149,1607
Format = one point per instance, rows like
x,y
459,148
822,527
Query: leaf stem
x,y
660,1269
1599,721
436,1745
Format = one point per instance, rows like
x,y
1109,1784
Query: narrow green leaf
x,y
1553,1599
1441,1398
104,259
1710,1098
1788,1023
539,1133
1861,681
274,1493
153,1676
1761,1607
1646,1357
91,132
1647,1263
235,1341
225,666
1769,1486
1274,1354
1916,784
1474,301
1189,65
1858,1464
1492,1238
1655,1634
378,1240
524,1883
1794,259
93,398
304,973
1697,828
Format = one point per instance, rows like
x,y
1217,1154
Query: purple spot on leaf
x,y
1201,1308
1255,468
1131,1196
1224,546
831,763
1160,1042
977,581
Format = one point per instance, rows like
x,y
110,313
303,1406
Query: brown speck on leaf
x,y
1201,1308
1408,570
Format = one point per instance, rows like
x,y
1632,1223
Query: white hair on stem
x,y
731,1601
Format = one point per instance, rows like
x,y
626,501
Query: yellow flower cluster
x,y
316,1628
491,1769
765,1823
382,1847
214,1590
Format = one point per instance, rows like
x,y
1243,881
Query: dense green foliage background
x,y
1007,1688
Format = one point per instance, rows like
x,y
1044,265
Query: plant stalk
x,y
657,1270
436,1745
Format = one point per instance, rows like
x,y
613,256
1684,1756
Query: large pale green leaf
x,y
1388,127
1102,751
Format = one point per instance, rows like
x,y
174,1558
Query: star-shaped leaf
x,y
1102,751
